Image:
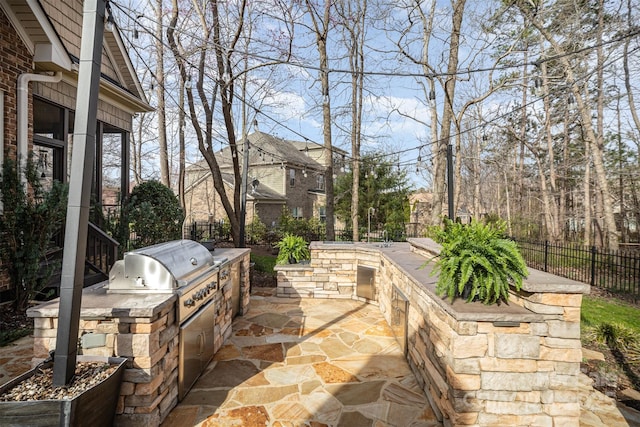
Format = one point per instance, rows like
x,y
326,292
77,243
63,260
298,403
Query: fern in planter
x,y
477,263
292,249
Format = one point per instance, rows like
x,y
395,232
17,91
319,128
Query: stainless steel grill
x,y
188,269
162,267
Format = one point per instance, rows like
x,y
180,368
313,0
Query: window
x,y
323,213
296,213
53,144
320,182
292,177
49,147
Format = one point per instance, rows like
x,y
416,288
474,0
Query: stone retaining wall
x,y
515,364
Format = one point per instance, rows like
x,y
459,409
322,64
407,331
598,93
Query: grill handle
x,y
201,343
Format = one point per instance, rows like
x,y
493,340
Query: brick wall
x,y
15,59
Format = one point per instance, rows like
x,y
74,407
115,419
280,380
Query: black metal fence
x,y
616,271
221,232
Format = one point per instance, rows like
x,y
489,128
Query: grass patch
x,y
597,310
11,335
263,263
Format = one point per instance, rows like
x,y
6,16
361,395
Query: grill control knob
x,y
189,302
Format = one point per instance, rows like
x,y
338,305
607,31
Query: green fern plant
x,y
292,249
477,263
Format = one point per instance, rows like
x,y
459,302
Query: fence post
x,y
594,252
546,255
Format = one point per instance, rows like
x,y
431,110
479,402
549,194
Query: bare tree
x,y
321,23
440,130
579,92
353,16
160,93
215,57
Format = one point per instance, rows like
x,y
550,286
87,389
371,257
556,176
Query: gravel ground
x,y
39,386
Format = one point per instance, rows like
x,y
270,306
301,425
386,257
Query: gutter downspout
x,y
22,113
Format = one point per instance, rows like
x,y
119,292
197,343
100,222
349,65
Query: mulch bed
x,y
40,385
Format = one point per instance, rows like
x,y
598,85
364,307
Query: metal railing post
x,y
546,255
594,252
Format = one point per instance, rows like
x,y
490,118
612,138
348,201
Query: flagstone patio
x,y
307,362
313,362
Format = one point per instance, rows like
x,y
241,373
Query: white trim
x,y
22,115
19,28
132,71
53,52
57,53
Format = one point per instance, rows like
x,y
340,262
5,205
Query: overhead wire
x,y
536,63
621,37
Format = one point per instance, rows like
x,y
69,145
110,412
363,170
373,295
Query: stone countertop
x,y
537,281
232,254
418,269
97,303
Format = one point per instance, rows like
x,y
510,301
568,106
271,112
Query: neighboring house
x,y
421,203
281,173
40,47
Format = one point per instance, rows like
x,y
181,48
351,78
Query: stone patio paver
x,y
325,363
213,399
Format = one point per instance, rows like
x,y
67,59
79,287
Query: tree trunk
x,y
321,29
550,206
356,39
440,157
162,125
595,142
587,198
627,74
181,141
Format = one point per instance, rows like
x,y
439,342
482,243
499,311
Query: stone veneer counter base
x,y
144,328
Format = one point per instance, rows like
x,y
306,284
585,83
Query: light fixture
x,y
432,95
538,83
108,23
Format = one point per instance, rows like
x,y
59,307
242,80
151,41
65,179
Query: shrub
x,y
154,214
27,225
256,231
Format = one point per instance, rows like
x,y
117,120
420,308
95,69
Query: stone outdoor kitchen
x,y
508,364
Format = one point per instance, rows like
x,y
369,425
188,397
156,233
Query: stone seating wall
x,y
510,364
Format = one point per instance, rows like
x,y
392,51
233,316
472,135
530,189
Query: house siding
x,y
15,59
66,17
64,94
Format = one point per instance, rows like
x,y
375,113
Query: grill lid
x,y
162,267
